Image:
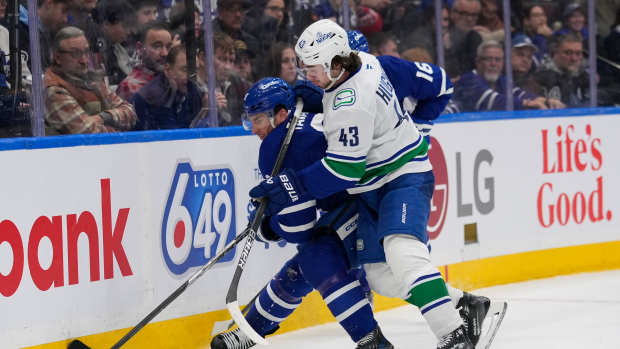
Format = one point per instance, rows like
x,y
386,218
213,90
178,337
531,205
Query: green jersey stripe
x,y
353,170
421,149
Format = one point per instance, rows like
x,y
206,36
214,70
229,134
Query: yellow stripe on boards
x,y
195,331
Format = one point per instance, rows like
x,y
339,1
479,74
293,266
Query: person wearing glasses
x,y
484,89
230,16
269,21
565,77
76,98
461,40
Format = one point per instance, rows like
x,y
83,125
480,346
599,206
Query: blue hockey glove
x,y
311,94
265,233
282,191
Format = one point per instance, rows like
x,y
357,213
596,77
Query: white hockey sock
x,y
410,261
455,294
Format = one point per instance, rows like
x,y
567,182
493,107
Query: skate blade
x,y
491,323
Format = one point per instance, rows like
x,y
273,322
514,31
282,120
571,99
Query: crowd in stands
x,y
119,65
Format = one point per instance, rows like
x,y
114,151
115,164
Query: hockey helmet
x,y
264,97
320,43
357,41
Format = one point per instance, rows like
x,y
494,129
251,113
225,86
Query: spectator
x,y
243,64
535,27
153,46
170,100
268,21
80,15
201,75
424,36
522,68
228,83
461,40
146,11
177,23
383,44
53,15
610,74
485,88
564,78
77,99
281,63
491,23
230,17
116,18
574,18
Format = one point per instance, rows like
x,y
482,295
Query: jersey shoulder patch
x,y
344,97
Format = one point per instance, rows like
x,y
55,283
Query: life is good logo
x,y
439,202
574,151
199,219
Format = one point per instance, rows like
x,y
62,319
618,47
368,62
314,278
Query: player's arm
x,y
349,137
426,85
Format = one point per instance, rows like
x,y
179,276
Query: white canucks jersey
x,y
370,140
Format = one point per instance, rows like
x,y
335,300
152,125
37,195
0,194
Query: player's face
x,y
316,74
260,125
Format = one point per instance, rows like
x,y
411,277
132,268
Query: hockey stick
x,y
231,298
76,344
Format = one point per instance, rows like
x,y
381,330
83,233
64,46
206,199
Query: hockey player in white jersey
x,y
374,150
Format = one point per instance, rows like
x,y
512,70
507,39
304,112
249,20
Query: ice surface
x,y
575,311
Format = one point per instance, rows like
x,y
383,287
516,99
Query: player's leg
x,y
324,265
403,210
274,303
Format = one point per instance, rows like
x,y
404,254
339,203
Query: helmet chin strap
x,y
333,80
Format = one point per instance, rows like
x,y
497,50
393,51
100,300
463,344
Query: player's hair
x,y
173,53
417,54
351,63
487,44
154,25
64,34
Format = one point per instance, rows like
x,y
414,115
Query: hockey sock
x,y
455,294
344,296
278,299
410,261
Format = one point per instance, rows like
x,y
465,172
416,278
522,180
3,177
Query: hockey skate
x,y
234,339
374,340
456,339
473,310
491,323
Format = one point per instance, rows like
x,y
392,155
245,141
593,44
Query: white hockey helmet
x,y
321,42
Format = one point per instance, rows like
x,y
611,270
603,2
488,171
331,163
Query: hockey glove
x,y
265,233
311,94
281,191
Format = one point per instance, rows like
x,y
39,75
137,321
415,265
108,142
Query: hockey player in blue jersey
x,y
321,261
374,150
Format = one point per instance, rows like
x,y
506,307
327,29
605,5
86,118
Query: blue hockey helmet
x,y
357,41
264,97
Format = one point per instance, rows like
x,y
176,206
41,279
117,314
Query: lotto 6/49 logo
x,y
439,203
199,217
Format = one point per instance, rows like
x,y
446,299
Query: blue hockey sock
x,y
346,300
278,299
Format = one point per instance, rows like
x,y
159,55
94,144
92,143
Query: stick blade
x,y
77,344
491,323
235,312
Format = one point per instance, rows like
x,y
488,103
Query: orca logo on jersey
x,y
344,97
439,202
198,218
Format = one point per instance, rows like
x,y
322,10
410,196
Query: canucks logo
x,y
344,97
199,218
